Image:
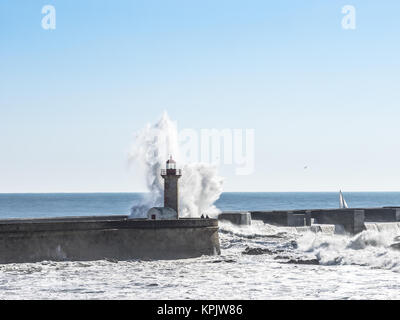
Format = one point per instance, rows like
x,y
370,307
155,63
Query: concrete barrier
x,y
351,219
386,214
94,238
238,218
295,218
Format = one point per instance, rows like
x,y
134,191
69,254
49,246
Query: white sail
x,y
342,201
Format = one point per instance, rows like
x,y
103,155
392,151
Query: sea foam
x,y
368,248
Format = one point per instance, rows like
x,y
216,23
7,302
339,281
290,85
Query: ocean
x,y
290,264
78,204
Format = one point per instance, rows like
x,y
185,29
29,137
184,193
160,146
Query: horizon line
x,y
132,192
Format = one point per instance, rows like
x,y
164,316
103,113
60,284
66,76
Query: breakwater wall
x,y
106,237
352,219
236,217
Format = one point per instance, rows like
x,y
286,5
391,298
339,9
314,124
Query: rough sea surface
x,y
257,262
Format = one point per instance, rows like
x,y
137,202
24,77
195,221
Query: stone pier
x,y
295,218
386,214
353,220
106,237
238,218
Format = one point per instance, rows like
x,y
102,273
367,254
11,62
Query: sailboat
x,y
342,201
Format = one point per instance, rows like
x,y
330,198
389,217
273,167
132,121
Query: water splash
x,y
369,248
199,187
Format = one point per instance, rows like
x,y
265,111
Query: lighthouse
x,y
170,211
171,176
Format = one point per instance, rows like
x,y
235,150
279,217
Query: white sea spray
x,y
200,185
369,248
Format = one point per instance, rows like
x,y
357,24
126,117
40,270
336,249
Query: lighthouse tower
x,y
171,176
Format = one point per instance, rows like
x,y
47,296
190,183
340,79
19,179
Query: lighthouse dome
x,y
170,160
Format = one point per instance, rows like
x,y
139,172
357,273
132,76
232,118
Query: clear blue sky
x,y
316,95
